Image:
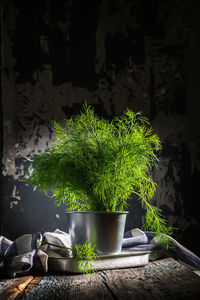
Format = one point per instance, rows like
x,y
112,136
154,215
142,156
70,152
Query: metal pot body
x,y
105,229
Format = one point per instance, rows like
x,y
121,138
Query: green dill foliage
x,y
86,256
155,222
95,165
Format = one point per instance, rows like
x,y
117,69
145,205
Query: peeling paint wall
x,y
115,54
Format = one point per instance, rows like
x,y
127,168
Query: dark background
x,y
140,54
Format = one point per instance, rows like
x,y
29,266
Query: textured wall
x,y
115,54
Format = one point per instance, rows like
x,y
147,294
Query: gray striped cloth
x,y
137,240
27,255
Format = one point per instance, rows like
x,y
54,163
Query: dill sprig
x,y
85,255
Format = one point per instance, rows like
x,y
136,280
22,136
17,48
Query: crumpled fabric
x,y
138,240
27,255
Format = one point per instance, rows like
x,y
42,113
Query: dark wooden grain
x,y
31,285
11,289
162,279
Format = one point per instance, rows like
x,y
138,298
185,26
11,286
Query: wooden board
x,y
162,279
10,289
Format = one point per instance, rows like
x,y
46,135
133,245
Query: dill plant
x,y
85,255
96,165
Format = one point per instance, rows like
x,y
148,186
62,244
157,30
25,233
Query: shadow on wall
x,y
31,212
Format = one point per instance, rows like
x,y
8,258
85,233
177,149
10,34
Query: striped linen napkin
x,y
27,254
138,240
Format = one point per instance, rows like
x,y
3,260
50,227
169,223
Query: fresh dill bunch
x,y
95,165
86,256
156,223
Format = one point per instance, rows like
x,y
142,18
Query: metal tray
x,y
124,259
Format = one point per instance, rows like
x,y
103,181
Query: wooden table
x,y
162,279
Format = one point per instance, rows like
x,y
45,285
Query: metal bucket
x,y
105,229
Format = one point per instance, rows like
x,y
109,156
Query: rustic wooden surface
x,y
11,289
161,279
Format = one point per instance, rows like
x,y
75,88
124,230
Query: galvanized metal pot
x,y
105,229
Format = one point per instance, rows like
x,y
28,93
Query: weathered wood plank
x,y
13,287
33,283
68,287
162,279
49,287
89,287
